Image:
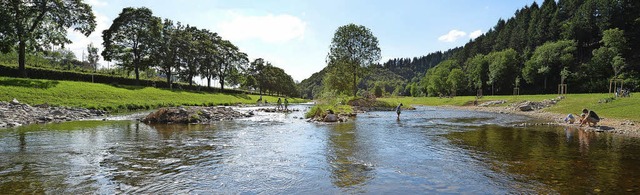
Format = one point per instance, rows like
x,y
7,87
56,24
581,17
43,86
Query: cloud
x,y
452,36
97,3
268,28
80,42
475,34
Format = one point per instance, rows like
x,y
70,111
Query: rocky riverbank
x,y
536,110
193,115
14,113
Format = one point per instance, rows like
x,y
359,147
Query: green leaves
x,y
130,38
351,47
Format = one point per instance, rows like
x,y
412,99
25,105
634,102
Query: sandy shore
x,y
607,125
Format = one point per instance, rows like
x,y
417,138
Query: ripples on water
x,y
430,150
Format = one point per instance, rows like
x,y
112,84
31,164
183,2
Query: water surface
x,y
431,150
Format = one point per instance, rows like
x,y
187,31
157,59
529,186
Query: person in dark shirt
x,y
589,117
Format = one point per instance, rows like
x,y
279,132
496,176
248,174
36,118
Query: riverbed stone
x,y
193,115
14,114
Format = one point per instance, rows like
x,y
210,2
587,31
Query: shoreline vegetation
x,y
618,114
116,98
70,100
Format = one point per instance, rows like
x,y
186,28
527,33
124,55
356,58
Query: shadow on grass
x,y
129,87
241,96
29,83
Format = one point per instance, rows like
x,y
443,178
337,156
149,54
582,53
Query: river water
x,y
430,150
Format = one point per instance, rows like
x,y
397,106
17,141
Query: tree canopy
x,y
352,46
131,37
37,24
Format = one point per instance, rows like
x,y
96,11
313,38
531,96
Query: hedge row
x,y
41,73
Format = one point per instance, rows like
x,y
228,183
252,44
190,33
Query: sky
x,y
295,34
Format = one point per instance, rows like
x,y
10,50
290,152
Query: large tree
x,y
131,38
503,68
549,59
207,59
230,63
41,23
353,46
165,50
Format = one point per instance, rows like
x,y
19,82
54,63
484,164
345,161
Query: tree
x,y
478,68
230,60
614,41
131,38
41,23
92,56
455,80
549,59
353,46
503,68
207,50
165,49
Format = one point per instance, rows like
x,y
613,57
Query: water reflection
x,y
430,150
347,169
569,160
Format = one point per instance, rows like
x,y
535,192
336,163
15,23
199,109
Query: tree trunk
x,y
21,57
169,78
545,84
221,83
137,74
355,87
208,81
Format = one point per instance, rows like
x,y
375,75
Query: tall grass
x,y
618,108
113,98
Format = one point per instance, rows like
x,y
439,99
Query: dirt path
x,y
615,126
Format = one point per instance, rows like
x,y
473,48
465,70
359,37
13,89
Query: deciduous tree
x,y
131,37
353,46
35,24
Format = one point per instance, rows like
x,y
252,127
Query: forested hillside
x,y
582,43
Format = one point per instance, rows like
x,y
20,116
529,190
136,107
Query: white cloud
x,y
269,28
452,36
80,42
97,3
475,34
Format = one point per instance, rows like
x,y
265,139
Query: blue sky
x,y
295,34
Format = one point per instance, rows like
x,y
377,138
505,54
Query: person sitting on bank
x,y
331,117
589,117
570,119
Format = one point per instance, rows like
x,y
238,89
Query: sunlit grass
x,y
619,108
114,98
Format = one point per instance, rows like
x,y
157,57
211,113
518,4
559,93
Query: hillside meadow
x,y
618,108
114,98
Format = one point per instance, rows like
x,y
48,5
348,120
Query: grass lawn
x,y
113,98
619,108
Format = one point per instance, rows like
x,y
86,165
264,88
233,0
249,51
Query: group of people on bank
x,y
279,103
588,117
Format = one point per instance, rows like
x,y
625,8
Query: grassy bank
x,y
113,98
619,108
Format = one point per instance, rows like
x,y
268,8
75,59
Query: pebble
x,y
14,114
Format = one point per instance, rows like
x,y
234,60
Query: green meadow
x,y
618,108
114,98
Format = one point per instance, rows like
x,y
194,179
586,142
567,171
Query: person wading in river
x,y
398,108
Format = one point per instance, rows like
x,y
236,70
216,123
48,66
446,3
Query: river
x,y
430,150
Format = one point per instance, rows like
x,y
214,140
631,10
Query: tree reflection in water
x,y
347,170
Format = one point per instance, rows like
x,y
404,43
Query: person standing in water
x,y
398,108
